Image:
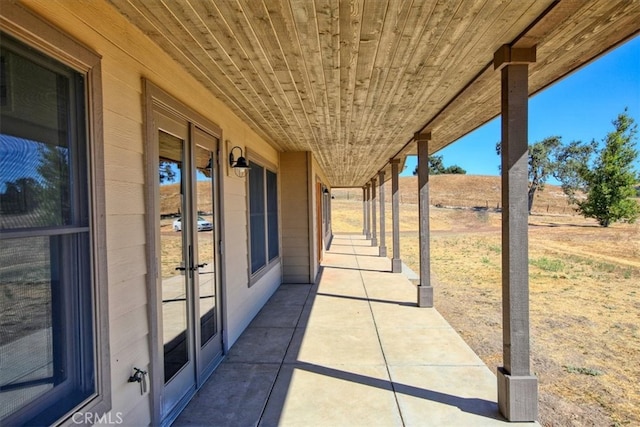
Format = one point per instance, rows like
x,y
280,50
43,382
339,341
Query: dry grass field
x,y
584,286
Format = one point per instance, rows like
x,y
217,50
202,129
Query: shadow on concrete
x,y
482,407
403,303
251,386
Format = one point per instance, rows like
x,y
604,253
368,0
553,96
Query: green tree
x,y
571,161
541,164
455,169
436,167
610,183
55,197
167,174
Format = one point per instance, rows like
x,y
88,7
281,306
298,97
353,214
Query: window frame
x,y
31,30
267,166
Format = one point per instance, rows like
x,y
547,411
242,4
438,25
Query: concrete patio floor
x,y
351,350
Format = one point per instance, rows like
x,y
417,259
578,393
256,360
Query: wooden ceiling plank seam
x,y
307,109
567,30
539,73
323,87
420,98
400,53
485,78
269,42
403,51
317,85
227,45
534,85
185,52
372,19
328,19
418,62
203,78
326,70
386,49
497,107
201,9
582,32
300,72
350,25
552,62
443,82
365,68
263,59
435,14
534,88
462,53
545,24
343,99
415,107
199,16
378,71
418,111
434,125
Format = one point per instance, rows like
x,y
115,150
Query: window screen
x,y
257,216
47,349
263,216
272,214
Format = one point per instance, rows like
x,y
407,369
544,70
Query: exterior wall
x,y
317,175
300,174
127,57
295,217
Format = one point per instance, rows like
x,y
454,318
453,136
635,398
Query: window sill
x,y
255,278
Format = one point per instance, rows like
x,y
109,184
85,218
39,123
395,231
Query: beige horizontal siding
x,y
128,56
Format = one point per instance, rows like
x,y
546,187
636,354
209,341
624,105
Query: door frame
x,y
156,99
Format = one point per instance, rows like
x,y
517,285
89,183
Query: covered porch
x,y
352,349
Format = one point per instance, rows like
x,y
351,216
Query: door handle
x,y
199,266
181,268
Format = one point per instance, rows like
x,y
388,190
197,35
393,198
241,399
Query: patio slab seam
x,y
310,294
384,356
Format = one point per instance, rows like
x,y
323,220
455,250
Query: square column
x,y
396,262
517,387
383,242
425,290
374,237
365,210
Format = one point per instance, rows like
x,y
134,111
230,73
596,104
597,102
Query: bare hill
x,y
170,198
467,191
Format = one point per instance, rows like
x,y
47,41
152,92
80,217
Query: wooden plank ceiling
x,y
353,80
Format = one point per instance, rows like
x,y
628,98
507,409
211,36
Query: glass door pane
x,y
206,274
173,263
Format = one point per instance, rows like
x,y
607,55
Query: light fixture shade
x,y
240,166
241,163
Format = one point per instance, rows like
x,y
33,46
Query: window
x,y
47,297
263,217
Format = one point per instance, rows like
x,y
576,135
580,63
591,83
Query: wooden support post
x,y
383,243
396,262
374,236
425,290
368,186
365,211
517,388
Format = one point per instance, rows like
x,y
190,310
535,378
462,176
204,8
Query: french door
x,y
188,279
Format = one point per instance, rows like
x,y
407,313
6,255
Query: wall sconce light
x,y
239,166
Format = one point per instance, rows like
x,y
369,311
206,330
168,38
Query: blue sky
x,y
579,107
